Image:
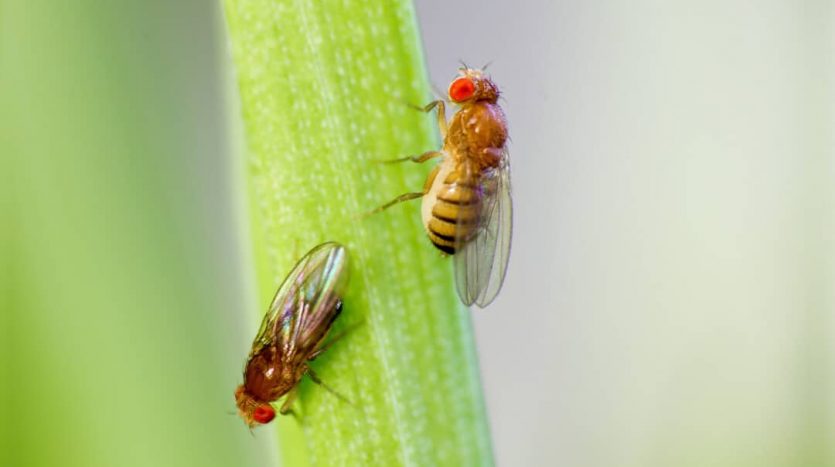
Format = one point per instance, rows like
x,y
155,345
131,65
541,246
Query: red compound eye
x,y
461,89
263,414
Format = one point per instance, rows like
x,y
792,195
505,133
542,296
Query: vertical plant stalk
x,y
324,88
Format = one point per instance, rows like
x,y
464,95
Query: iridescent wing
x,y
306,304
482,251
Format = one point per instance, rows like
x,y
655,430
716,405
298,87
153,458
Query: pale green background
x,y
125,317
669,297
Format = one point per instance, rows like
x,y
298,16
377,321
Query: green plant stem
x,y
324,88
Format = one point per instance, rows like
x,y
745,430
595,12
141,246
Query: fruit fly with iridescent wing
x,y
293,333
467,209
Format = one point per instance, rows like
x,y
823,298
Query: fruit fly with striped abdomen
x,y
466,209
293,333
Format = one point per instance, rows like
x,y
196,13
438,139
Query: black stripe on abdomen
x,y
442,234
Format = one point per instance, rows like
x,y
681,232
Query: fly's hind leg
x,y
409,196
399,199
315,378
333,340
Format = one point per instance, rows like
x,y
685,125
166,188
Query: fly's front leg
x,y
442,125
286,407
441,105
419,159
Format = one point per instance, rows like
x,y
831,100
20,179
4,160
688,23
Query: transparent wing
x,y
305,304
482,250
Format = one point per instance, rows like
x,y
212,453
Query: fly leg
x,y
409,196
442,126
439,93
288,402
418,159
441,105
399,199
318,381
324,347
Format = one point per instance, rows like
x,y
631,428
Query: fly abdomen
x,y
442,235
456,207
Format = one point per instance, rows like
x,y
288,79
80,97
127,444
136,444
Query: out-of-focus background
x,y
670,293
126,305
669,299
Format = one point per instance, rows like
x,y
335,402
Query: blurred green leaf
x,y
122,322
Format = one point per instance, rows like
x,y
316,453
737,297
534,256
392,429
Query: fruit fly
x,y
293,333
466,208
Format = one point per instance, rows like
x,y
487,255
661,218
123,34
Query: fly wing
x,y
482,251
305,304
